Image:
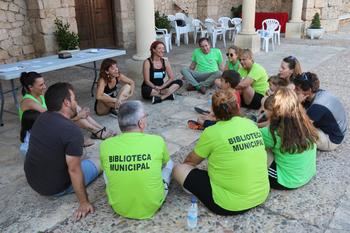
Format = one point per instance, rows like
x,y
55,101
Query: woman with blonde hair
x,y
254,80
291,138
108,98
236,179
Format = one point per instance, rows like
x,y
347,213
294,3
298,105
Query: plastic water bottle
x,y
192,215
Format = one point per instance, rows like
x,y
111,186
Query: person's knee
x,y
184,70
179,82
217,83
181,171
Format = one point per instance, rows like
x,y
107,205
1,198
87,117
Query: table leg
x,y
95,79
14,93
2,104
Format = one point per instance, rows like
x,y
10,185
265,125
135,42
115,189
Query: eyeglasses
x,y
229,54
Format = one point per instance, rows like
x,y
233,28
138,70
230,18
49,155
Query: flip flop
x,y
201,111
194,125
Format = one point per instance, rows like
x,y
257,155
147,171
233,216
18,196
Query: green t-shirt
x,y
259,75
232,66
293,170
132,163
207,63
29,96
236,163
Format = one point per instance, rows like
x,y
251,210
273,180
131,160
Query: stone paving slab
x,y
320,206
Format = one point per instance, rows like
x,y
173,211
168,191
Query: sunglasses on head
x,y
292,58
229,54
304,76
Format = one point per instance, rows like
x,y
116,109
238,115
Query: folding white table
x,y
10,72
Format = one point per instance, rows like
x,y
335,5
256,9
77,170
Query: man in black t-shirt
x,y
53,164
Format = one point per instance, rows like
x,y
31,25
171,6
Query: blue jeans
x,y
90,173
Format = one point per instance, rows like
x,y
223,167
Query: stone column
x,y
295,26
145,33
248,38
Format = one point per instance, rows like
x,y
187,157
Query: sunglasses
x,y
304,77
292,58
229,54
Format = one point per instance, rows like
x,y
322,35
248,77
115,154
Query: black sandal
x,y
99,134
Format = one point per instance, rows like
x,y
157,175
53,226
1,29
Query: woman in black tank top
x,y
155,68
108,99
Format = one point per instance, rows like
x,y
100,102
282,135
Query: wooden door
x,y
95,23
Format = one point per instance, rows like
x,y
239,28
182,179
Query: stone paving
x,y
321,206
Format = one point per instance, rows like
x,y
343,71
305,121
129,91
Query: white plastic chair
x,y
178,30
214,31
163,35
266,35
225,23
272,25
238,25
198,27
180,16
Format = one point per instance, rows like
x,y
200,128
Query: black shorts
x,y
273,178
198,183
256,101
146,90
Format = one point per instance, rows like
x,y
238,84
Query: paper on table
x,y
10,69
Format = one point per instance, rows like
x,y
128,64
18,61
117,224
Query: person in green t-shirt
x,y
254,80
232,62
291,138
206,66
237,179
136,185
33,88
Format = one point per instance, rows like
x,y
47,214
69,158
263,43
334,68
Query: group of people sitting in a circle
x,y
246,155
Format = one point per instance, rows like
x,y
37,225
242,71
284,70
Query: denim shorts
x,y
90,173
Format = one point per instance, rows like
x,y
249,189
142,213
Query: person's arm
x,y
244,83
193,159
226,66
170,73
146,78
193,65
100,95
77,178
222,66
129,81
29,104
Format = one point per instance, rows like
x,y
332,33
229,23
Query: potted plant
x,y
315,29
161,21
66,39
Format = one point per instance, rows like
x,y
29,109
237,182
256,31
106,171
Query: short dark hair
x,y
202,39
232,77
56,94
28,79
307,81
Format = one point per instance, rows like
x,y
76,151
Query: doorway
x,y
95,23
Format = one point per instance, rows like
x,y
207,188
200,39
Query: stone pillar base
x,y
249,41
134,69
294,30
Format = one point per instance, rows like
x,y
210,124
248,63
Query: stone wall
x,y
27,26
329,11
15,32
125,23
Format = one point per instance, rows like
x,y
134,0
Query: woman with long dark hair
x,y
108,97
33,88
